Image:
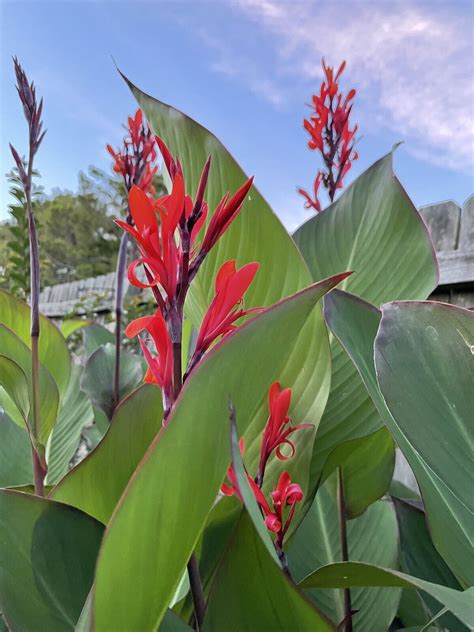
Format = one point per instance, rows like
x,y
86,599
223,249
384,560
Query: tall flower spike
x,y
277,429
330,135
226,307
134,161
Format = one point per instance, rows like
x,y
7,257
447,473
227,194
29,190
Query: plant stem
x,y
344,550
197,592
175,325
38,472
119,282
38,469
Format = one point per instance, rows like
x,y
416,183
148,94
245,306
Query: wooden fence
x,y
451,228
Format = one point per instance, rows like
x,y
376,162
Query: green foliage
x,y
374,230
38,535
110,546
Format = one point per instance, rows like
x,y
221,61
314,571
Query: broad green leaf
x,y
75,412
250,592
95,336
172,623
47,558
210,549
96,483
412,610
15,389
15,453
98,376
348,574
421,559
71,325
161,514
53,351
372,537
425,369
18,352
373,229
256,235
367,468
441,364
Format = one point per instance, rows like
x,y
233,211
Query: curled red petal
x,y
134,280
272,523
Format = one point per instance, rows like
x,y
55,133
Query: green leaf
x,y
250,592
98,376
96,483
173,501
172,623
421,559
425,370
47,557
75,412
95,336
348,574
18,352
373,229
256,235
15,386
53,351
70,326
372,537
15,453
367,466
439,363
248,497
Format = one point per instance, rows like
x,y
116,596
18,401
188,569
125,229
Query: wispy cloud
x,y
412,62
245,71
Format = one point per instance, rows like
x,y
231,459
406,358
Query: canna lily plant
x,y
243,470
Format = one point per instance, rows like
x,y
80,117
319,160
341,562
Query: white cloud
x,y
229,65
411,61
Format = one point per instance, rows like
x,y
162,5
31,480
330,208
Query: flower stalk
x,y
330,135
32,110
134,162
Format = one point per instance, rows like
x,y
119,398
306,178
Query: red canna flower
x,y
285,494
134,161
160,367
278,428
225,213
226,307
330,134
154,231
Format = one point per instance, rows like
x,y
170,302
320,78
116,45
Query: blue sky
x,y
245,69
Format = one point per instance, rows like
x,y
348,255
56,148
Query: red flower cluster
x,y
331,135
134,161
278,427
286,493
166,231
